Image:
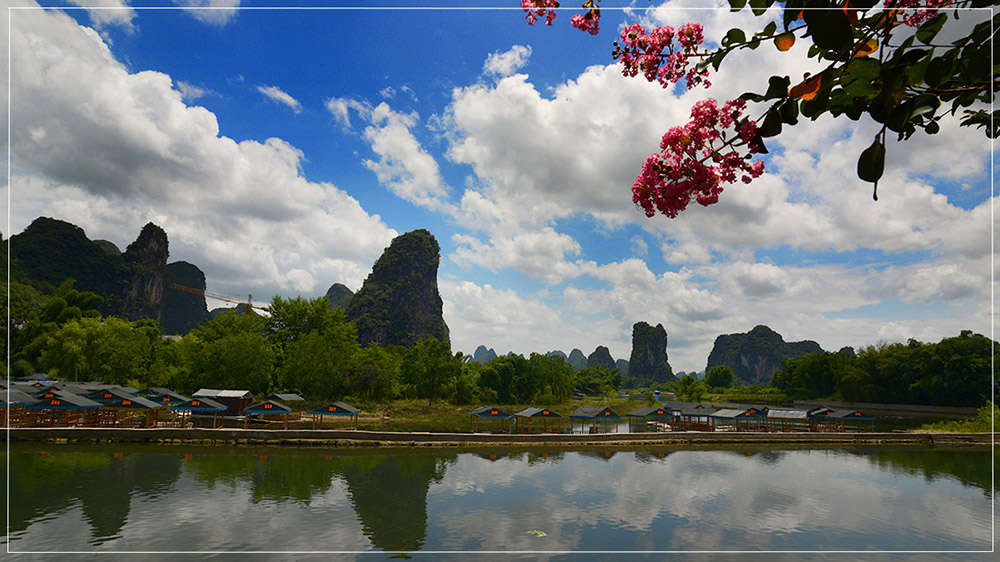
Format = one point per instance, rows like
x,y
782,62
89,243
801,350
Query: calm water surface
x,y
179,498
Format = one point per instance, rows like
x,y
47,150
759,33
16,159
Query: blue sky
x,y
283,149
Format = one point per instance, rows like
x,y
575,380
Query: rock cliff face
x,y
649,353
484,355
133,284
339,295
601,357
52,250
183,311
577,359
399,302
758,354
146,272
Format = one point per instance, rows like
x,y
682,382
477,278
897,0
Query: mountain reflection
x,y
179,498
102,483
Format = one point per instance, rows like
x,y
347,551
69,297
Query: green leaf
x,y
930,29
830,29
772,123
789,111
717,59
737,5
792,10
777,87
759,6
734,35
859,77
871,164
818,105
939,70
769,29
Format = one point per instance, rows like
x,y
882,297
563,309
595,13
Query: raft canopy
x,y
490,412
336,409
158,393
734,413
650,412
62,400
594,413
788,414
537,413
848,414
267,407
16,398
215,393
286,397
199,405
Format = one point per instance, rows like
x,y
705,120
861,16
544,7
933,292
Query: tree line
x,y
303,346
953,372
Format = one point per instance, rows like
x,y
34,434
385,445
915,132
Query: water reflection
x,y
146,498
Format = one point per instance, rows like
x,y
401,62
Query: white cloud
x,y
105,13
212,12
541,254
110,150
190,92
404,166
505,63
639,247
277,94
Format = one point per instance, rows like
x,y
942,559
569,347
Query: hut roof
x,y
46,393
64,401
690,409
132,403
595,413
13,397
200,404
819,411
110,394
215,393
649,412
158,394
537,413
788,414
286,397
336,409
848,414
267,407
490,412
733,413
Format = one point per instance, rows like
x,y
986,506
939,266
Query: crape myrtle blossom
x,y
916,12
534,9
590,20
714,148
644,51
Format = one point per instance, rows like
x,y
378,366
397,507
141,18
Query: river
x,y
560,502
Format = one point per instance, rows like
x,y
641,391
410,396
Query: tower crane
x,y
248,302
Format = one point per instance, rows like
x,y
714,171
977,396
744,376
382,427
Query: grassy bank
x,y
979,424
416,415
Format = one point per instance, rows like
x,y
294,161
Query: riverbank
x,y
364,438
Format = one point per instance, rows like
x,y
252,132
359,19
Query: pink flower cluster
x,y
642,51
589,21
534,9
916,12
715,147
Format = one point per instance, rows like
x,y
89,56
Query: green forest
x,y
304,346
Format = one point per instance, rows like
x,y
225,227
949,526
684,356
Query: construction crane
x,y
249,302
